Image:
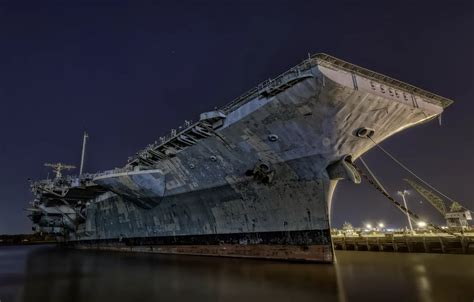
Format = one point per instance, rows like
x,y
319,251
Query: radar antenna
x,y
58,167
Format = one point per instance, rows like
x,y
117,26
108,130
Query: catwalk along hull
x,y
258,182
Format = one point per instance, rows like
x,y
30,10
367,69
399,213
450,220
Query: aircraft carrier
x,y
254,178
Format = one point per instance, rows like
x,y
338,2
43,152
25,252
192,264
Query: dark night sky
x,y
128,72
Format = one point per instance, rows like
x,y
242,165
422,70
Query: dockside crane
x,y
456,217
58,167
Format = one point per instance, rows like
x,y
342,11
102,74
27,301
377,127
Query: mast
x,y
84,141
58,167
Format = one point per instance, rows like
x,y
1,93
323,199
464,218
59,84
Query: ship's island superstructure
x,y
252,179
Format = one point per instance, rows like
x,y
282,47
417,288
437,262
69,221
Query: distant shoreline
x,y
2,244
26,239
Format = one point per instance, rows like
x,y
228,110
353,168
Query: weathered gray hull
x,y
287,219
261,184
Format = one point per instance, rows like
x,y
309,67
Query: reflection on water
x,y
33,273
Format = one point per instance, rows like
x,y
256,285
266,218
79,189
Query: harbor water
x,y
49,273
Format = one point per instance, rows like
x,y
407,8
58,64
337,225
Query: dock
x,y
433,243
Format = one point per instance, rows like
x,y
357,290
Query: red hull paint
x,y
311,253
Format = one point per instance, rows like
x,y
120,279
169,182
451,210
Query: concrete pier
x,y
439,243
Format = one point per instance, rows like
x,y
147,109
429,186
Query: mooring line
x,y
409,170
397,204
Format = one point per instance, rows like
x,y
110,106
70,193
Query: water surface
x,y
48,273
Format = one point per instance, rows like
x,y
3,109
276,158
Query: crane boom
x,y
431,197
456,217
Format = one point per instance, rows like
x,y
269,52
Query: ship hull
x,y
275,246
284,220
260,183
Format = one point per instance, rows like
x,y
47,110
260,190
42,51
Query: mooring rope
x,y
372,174
409,170
397,204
